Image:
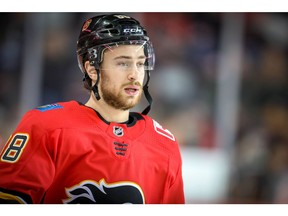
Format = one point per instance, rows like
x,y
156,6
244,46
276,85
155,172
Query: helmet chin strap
x,y
147,95
95,87
95,90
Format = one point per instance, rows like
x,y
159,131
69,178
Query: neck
x,y
109,113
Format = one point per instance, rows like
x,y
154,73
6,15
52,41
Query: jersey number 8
x,y
15,148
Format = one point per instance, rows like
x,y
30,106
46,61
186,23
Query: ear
x,y
90,71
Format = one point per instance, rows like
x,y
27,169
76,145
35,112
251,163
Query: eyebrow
x,y
129,57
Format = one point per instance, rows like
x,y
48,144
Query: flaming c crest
x,y
91,192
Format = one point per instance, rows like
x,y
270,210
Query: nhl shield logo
x,y
118,131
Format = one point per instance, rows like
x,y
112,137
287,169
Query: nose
x,y
133,73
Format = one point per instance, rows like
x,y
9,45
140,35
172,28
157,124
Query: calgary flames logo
x,y
90,192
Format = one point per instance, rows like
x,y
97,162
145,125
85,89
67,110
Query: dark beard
x,y
118,101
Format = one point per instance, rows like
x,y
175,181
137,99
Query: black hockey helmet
x,y
101,32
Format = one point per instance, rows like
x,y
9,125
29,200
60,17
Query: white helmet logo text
x,y
133,30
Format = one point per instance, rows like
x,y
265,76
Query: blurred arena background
x,y
220,85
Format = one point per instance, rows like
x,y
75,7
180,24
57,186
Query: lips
x,y
132,90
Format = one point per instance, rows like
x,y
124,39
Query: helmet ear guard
x,y
93,58
103,32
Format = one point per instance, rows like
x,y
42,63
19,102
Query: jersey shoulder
x,y
162,139
51,116
159,133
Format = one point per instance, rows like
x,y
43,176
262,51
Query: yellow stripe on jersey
x,y
7,196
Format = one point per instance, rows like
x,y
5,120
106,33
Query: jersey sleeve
x,y
26,166
174,193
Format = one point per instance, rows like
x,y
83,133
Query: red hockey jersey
x,y
67,153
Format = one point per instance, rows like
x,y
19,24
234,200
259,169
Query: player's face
x,y
122,76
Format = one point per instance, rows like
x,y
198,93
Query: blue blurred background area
x,y
220,85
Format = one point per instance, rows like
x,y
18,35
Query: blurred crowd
x,y
183,87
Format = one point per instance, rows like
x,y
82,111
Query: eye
x,y
140,64
123,64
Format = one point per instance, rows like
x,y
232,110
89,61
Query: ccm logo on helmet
x,y
122,16
133,30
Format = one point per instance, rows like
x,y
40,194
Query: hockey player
x,y
98,152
